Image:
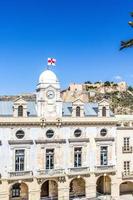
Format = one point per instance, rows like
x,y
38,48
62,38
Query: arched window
x,y
104,111
20,111
77,111
16,190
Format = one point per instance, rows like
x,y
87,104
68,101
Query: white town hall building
x,y
50,149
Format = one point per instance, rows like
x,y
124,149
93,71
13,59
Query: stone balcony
x,y
127,175
103,169
127,149
20,175
78,171
51,172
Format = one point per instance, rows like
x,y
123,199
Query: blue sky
x,y
83,35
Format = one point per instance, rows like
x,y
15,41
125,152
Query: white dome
x,y
48,77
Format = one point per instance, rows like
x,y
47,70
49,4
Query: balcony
x,y
20,175
127,149
100,169
127,175
78,170
51,172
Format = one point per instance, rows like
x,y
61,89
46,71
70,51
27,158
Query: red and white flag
x,y
51,61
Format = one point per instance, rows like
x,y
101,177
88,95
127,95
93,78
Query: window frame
x,y
126,143
20,111
103,155
78,111
104,111
49,132
21,132
49,159
126,167
19,160
103,130
16,191
77,157
78,131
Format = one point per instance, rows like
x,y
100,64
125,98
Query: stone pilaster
x,y
34,195
4,190
90,187
63,190
115,190
34,190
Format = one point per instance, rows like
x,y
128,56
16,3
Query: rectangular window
x,y
77,157
126,143
49,158
126,167
19,160
104,155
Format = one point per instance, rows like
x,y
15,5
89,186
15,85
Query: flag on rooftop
x,y
51,61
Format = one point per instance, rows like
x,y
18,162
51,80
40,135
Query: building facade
x,y
63,150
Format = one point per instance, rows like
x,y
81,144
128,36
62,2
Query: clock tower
x,y
49,103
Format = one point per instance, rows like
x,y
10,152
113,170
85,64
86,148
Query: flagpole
x,y
47,67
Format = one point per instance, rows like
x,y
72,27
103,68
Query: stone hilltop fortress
x,y
61,150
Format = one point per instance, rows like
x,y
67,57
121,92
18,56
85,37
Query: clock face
x,y
50,94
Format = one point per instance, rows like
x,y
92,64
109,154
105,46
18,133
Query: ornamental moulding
x,y
55,122
78,140
105,139
50,141
15,142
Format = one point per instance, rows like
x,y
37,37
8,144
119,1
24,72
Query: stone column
x,y
90,186
115,190
63,190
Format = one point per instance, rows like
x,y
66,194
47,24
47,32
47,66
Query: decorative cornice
x,y
15,142
124,128
105,139
64,121
78,140
50,141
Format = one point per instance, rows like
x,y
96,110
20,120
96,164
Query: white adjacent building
x,y
62,150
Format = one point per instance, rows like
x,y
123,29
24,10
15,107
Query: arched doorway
x,y
77,188
49,189
126,188
104,185
19,191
